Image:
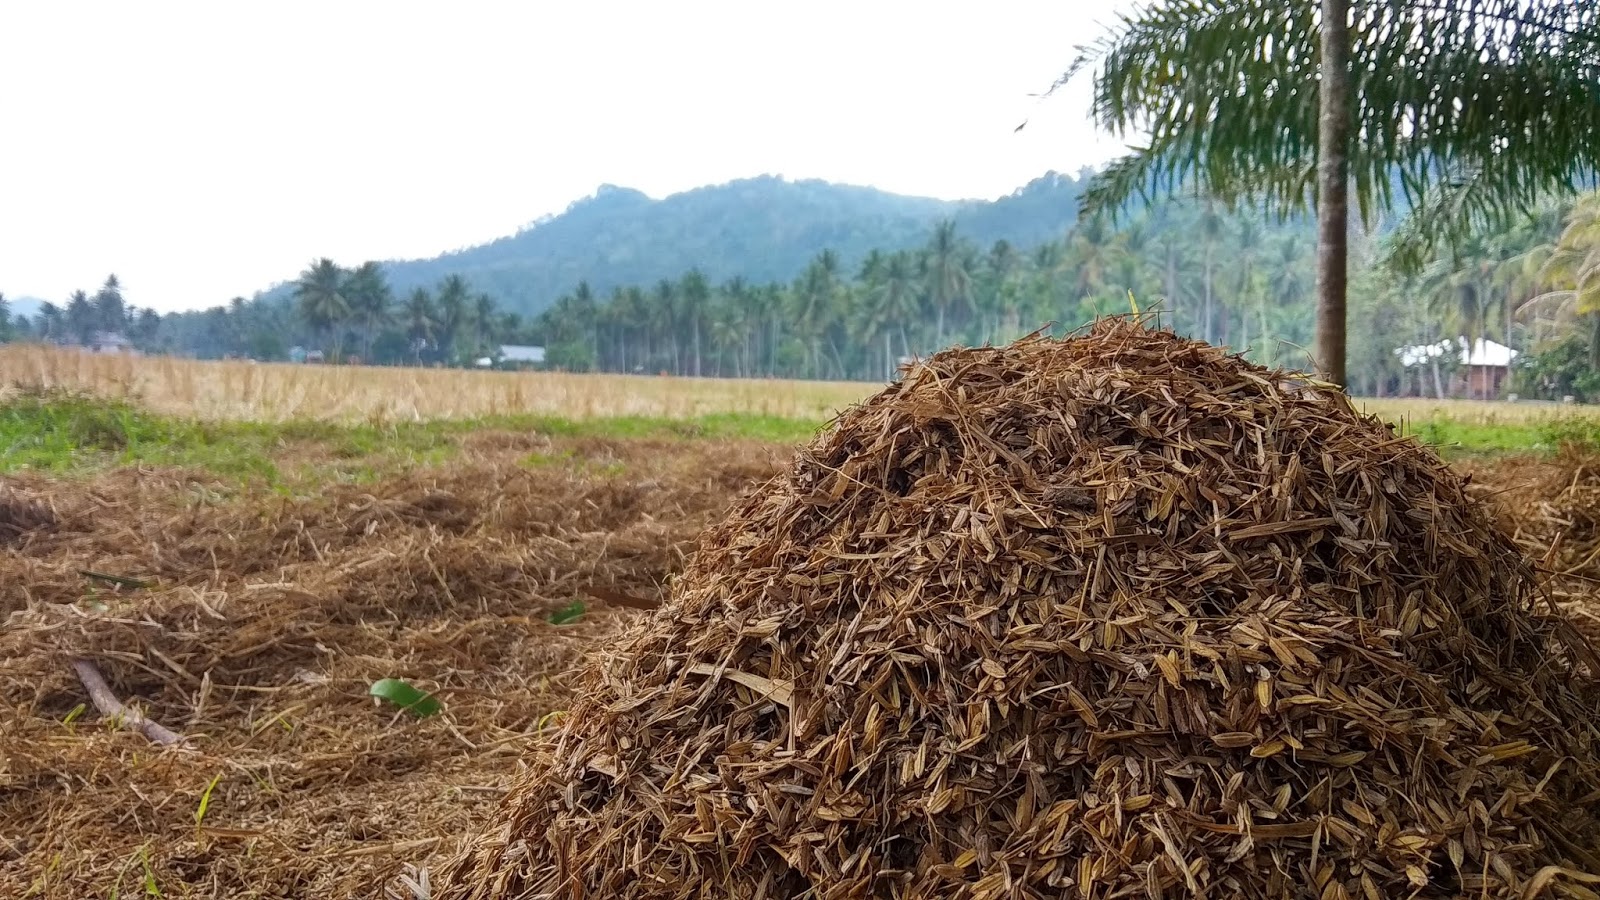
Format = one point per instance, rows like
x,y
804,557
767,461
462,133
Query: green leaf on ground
x,y
406,697
568,614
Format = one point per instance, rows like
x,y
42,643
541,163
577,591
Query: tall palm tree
x,y
1262,100
369,296
814,297
1247,239
1211,233
893,303
419,319
949,282
1001,267
1287,280
739,309
111,312
695,296
450,306
634,320
664,319
50,322
1093,253
483,317
1572,269
320,295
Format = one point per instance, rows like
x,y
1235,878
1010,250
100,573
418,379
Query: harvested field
x,y
268,611
1552,507
281,392
263,620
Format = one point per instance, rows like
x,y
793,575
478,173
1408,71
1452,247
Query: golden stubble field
x,y
276,392
252,619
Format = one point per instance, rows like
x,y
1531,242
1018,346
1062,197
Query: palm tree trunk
x,y
1171,285
1333,190
1268,351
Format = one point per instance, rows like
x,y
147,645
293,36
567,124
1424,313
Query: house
x,y
1478,373
110,342
517,356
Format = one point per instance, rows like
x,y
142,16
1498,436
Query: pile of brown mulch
x,y
252,623
1112,616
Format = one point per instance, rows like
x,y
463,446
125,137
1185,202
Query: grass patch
x,y
63,433
67,433
1465,438
70,433
712,426
1452,438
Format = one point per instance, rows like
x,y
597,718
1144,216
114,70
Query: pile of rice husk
x,y
1119,615
252,621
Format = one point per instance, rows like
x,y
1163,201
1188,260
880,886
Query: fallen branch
x,y
112,708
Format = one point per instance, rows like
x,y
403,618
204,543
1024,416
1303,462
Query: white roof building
x,y
1483,352
521,353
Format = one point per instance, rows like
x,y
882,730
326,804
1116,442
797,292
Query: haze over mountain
x,y
24,306
761,229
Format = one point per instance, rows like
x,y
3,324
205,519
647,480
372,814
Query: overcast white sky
x,y
202,150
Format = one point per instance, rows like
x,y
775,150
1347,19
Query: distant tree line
x,y
80,319
1234,278
1227,278
1239,279
348,315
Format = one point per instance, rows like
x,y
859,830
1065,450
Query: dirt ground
x,y
259,620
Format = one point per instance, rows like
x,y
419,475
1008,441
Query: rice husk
x,y
1118,615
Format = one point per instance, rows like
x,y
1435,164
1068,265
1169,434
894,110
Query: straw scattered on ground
x,y
1552,507
22,516
1116,616
252,622
252,625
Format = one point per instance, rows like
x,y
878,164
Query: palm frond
x,y
1471,110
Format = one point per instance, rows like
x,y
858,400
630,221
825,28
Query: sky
x,y
204,150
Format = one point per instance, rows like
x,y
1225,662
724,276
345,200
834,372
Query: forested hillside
x,y
760,229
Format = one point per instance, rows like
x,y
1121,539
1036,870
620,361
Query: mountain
x,y
762,229
24,306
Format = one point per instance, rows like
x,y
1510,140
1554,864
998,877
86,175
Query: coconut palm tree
x,y
420,321
1470,109
483,316
949,281
892,303
80,319
111,312
1572,269
367,291
320,296
695,298
50,322
451,313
